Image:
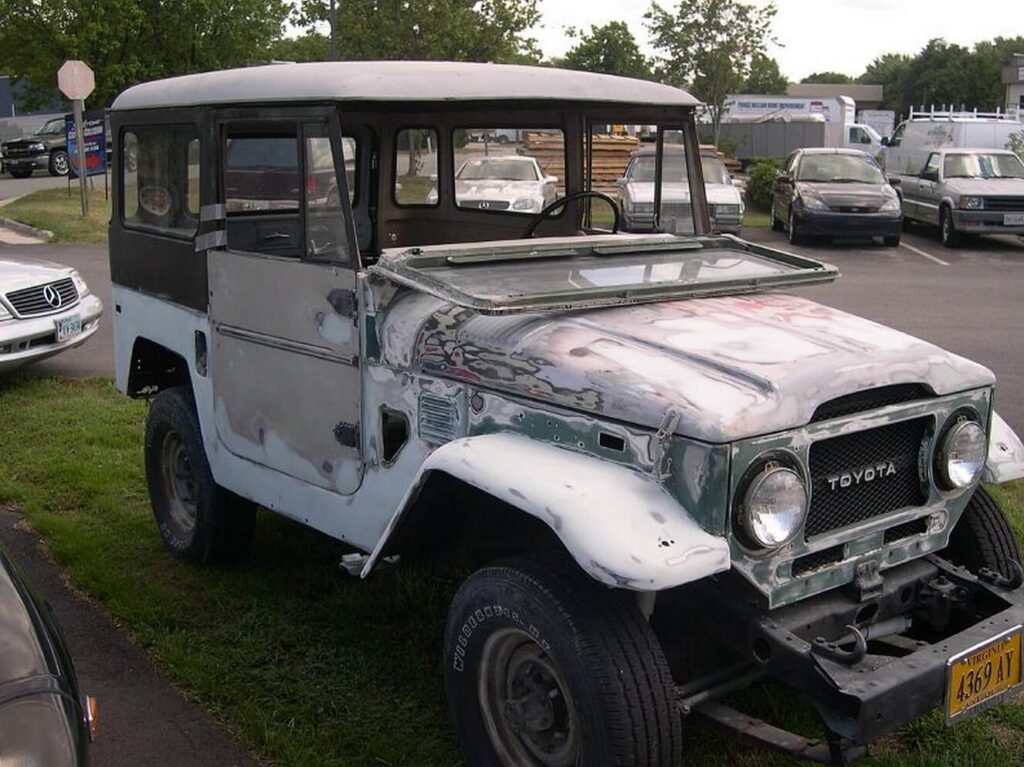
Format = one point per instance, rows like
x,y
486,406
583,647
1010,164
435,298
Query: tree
x,y
128,41
765,76
709,45
828,77
892,72
611,49
457,30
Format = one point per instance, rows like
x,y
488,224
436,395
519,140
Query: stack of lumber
x,y
611,155
731,163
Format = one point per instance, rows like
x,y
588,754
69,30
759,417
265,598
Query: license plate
x,y
68,328
978,677
1013,219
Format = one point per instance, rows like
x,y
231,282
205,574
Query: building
x,y
1013,79
866,96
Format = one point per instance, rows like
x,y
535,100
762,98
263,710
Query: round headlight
x,y
964,450
774,506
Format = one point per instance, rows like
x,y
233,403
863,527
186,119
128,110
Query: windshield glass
x,y
675,169
838,168
51,126
503,169
982,166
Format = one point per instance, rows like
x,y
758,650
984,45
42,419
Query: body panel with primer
x,y
1005,453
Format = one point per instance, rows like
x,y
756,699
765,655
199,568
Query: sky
x,y
816,35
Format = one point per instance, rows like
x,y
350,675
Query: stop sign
x,y
75,80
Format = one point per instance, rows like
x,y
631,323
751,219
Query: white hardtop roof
x,y
397,81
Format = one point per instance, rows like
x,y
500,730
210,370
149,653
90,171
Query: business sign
x,y
780,106
95,129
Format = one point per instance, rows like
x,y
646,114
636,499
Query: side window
x,y
325,223
160,180
416,167
513,170
261,173
897,135
859,136
350,149
932,166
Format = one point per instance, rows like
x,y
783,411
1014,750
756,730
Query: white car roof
x,y
397,81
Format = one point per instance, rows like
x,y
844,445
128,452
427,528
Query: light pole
x,y
334,35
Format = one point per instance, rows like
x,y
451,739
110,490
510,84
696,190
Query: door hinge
x,y
347,434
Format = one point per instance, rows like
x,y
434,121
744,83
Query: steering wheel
x,y
561,202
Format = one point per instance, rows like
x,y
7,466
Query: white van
x,y
925,132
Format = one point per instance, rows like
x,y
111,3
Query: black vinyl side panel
x,y
164,267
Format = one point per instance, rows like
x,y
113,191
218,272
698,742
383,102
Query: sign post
x,y
76,81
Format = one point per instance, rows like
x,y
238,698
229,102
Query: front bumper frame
x,y
27,339
858,700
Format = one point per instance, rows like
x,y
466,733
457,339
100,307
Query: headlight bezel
x,y
758,472
972,202
80,284
812,201
958,423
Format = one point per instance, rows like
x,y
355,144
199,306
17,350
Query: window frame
x,y
151,229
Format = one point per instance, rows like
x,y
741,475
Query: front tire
x,y
948,234
59,163
983,537
795,238
892,242
776,224
21,173
546,668
198,520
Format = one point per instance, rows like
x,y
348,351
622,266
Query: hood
x,y
497,189
733,367
1010,187
717,194
16,273
48,140
847,195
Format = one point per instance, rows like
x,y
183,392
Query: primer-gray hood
x,y
981,186
733,367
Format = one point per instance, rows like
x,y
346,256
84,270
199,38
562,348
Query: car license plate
x,y
981,675
1013,219
68,328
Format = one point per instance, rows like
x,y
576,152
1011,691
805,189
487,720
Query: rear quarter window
x,y
160,180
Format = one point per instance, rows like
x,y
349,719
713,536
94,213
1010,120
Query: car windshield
x,y
510,275
838,168
51,126
507,169
675,169
982,166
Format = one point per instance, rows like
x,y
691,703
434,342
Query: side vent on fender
x,y
440,418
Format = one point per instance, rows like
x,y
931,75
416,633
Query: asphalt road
x,y
15,187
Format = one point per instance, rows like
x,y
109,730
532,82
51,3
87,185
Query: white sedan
x,y
511,183
45,308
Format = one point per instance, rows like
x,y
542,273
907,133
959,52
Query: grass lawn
x,y
303,664
755,217
55,210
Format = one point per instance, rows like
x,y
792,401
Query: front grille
x,y
1010,204
485,204
32,302
809,563
870,399
856,209
851,478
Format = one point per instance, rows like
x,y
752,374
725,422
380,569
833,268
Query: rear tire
x,y
948,234
546,668
983,537
198,520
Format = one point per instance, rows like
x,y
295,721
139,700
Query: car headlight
x,y
891,205
524,203
972,203
727,210
37,147
774,506
80,285
813,202
962,454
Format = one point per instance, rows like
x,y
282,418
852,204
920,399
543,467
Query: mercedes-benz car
x,y
503,182
636,193
45,308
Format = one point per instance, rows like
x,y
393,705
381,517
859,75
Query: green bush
x,y
759,187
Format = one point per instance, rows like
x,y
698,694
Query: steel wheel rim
x,y
60,163
947,226
528,715
179,481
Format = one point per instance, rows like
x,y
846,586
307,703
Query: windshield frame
x,y
412,267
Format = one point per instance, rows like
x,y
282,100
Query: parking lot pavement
x,y
15,187
969,300
144,721
96,356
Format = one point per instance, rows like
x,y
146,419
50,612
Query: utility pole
x,y
334,34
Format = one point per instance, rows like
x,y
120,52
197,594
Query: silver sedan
x,y
45,308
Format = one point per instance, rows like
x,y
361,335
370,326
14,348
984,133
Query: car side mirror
x,y
551,179
784,178
930,175
885,141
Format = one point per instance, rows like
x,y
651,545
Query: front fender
x,y
620,526
1005,453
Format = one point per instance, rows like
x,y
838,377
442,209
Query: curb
x,y
25,229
